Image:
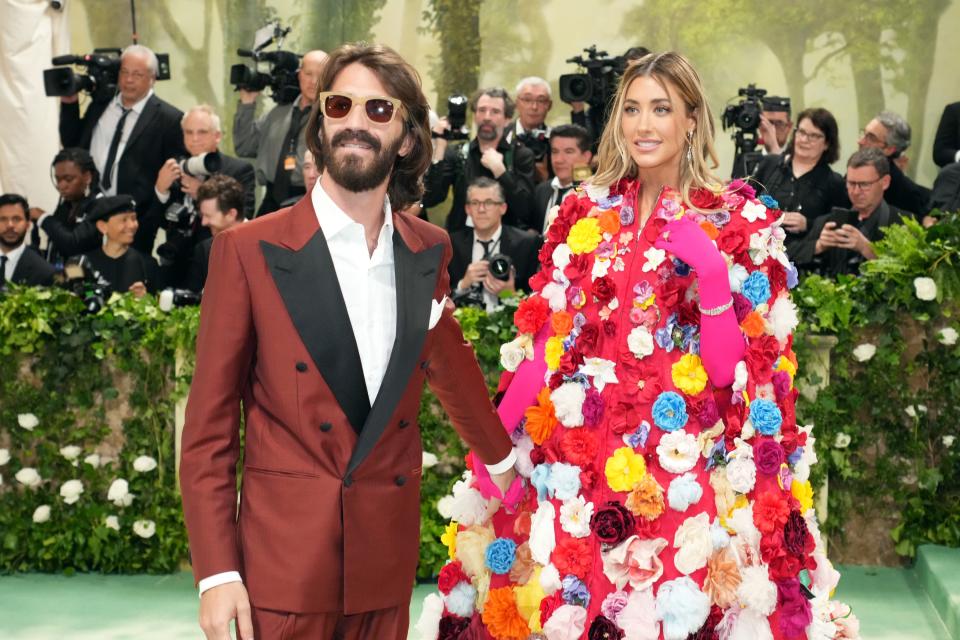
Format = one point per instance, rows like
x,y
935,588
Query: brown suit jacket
x,y
330,505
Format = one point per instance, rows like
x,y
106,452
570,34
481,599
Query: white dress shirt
x,y
491,301
103,135
13,258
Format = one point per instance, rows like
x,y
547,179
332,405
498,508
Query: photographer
x,y
220,200
890,133
530,127
175,192
841,240
775,123
19,263
570,146
594,118
129,136
492,257
276,139
117,262
487,155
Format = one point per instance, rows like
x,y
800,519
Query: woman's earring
x,y
690,147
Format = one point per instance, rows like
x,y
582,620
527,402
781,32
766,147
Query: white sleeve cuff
x,y
218,579
956,157
162,197
503,465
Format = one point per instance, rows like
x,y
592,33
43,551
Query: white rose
x,y
694,543
93,460
948,441
948,336
28,477
575,515
112,522
742,474
841,441
640,342
70,491
513,353
28,421
738,275
678,451
143,464
119,493
864,352
568,401
428,460
41,514
71,452
740,376
753,211
4,457
926,288
144,528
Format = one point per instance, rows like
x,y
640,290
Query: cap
x,y
103,208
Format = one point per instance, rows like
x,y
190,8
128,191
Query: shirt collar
x,y
495,238
333,220
137,107
14,255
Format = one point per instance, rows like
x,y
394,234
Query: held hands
x,y
476,272
189,185
138,289
493,160
220,605
495,286
510,489
845,237
686,240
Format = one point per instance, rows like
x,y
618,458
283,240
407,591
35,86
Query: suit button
x,y
325,426
347,481
403,424
301,366
400,481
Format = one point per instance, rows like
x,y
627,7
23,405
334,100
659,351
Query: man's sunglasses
x,y
379,109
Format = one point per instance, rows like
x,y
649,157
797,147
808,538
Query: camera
x,y
201,166
500,266
282,66
538,141
81,279
598,84
103,73
746,114
457,117
170,298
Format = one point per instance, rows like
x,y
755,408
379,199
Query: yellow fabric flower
x,y
528,600
689,375
449,538
554,351
624,469
803,492
784,364
584,236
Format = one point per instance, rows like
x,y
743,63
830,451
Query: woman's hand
x,y
686,240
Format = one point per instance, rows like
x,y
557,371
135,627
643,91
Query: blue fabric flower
x,y
500,555
793,276
684,492
609,202
575,591
769,202
540,479
794,457
682,607
564,481
765,416
756,288
670,411
687,334
664,338
461,600
717,455
638,439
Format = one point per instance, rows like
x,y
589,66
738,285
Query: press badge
x,y
289,163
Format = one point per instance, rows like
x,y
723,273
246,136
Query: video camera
x,y
103,73
744,119
283,66
598,84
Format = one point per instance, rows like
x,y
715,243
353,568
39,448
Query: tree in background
x,y
456,25
515,41
326,24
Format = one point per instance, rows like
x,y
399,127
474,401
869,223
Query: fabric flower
x,y
670,411
500,555
947,336
926,288
678,451
566,623
575,516
465,504
638,618
635,561
428,624
144,528
41,514
530,315
449,539
753,211
70,491
756,288
461,600
568,401
795,613
542,536
756,591
501,617
513,353
640,342
803,492
768,455
553,352
27,421
694,544
572,556
541,419
766,417
472,545
112,522
579,446
682,608
684,492
770,511
723,578
450,574
783,318
28,477
624,469
575,591
613,604
603,628
688,374
655,258
602,371
564,481
864,352
612,523
742,474
646,498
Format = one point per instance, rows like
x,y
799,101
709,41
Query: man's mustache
x,y
355,135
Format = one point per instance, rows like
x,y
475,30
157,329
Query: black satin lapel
x,y
308,284
416,275
145,120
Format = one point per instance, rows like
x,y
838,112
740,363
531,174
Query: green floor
x,y
890,603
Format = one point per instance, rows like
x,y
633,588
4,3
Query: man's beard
x,y
16,243
487,132
351,172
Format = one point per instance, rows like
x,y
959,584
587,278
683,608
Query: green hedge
x,y
107,384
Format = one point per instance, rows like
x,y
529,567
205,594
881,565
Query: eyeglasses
x,y
487,204
136,75
809,135
870,137
379,109
862,186
781,125
541,101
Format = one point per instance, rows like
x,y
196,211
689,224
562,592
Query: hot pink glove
x,y
522,393
721,342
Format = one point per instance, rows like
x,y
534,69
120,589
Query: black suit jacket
x,y
947,141
156,138
197,275
946,189
32,270
521,246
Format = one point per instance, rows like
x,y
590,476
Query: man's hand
x,y
440,144
794,222
853,239
138,289
493,160
248,97
169,173
769,134
189,185
829,238
35,213
70,99
495,286
578,106
476,272
220,605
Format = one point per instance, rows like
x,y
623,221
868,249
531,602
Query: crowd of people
x,y
137,153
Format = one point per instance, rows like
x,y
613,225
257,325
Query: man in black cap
x,y
117,262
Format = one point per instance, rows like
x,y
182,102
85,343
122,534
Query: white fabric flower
x,y
513,353
28,477
542,536
575,515
753,211
694,544
638,619
428,460
741,522
524,447
70,491
655,258
93,460
740,377
678,451
550,579
782,318
568,403
742,474
119,493
561,256
556,295
144,464
112,522
801,470
640,342
71,452
28,421
756,591
738,275
428,624
926,288
596,193
948,336
4,457
744,624
600,268
144,528
41,514
864,352
841,440
466,505
602,371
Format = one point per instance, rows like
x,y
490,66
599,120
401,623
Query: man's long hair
x,y
401,82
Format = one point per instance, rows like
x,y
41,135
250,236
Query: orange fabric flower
x,y
541,419
501,616
573,556
646,498
753,325
723,578
711,230
562,323
610,221
523,565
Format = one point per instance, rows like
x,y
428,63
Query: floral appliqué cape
x,y
656,505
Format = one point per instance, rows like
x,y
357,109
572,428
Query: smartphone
x,y
843,216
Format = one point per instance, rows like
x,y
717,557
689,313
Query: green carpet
x,y
889,602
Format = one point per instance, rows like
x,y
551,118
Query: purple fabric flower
x,y
604,250
768,456
575,591
741,306
707,413
592,408
613,604
795,613
781,384
626,215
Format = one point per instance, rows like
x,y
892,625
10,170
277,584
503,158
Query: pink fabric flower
x,y
635,561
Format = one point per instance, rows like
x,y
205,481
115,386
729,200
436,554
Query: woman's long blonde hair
x,y
670,68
